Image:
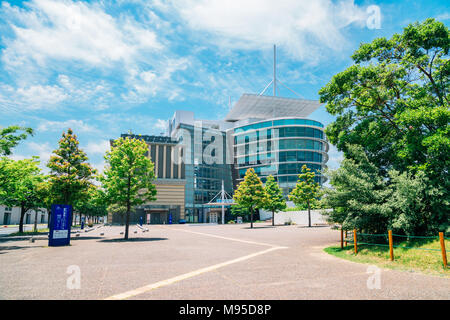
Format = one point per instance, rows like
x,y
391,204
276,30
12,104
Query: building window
x,y
7,218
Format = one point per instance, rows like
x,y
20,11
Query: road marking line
x,y
167,282
226,238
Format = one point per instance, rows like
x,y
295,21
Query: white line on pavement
x,y
226,238
163,283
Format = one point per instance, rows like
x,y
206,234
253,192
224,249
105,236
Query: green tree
x,y
306,190
359,194
22,187
250,193
394,103
128,176
92,204
10,138
70,173
274,200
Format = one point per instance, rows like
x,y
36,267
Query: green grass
x,y
30,233
428,262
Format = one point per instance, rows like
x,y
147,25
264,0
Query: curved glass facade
x,y
280,147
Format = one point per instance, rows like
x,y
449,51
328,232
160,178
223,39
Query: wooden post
x,y
444,253
391,245
355,244
342,238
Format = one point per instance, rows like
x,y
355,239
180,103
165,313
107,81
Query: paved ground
x,y
201,262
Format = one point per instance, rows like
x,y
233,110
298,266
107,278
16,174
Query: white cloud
x,y
76,31
97,147
161,124
302,27
75,125
37,95
335,158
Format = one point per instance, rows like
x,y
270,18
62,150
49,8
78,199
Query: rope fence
x,y
359,238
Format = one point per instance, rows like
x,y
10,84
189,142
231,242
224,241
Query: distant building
x,y
170,184
273,136
11,215
270,134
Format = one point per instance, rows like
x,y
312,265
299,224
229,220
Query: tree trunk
x,y
273,218
22,214
251,218
127,222
128,208
35,219
309,215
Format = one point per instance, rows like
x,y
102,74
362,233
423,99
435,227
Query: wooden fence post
x,y
444,253
355,244
342,238
391,245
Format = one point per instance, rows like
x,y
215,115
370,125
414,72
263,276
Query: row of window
x,y
282,122
279,132
282,144
284,156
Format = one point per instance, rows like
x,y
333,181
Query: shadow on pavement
x,y
263,227
9,248
133,240
324,226
85,238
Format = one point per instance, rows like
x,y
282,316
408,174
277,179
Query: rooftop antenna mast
x,y
275,80
274,70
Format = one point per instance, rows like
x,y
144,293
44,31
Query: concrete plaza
x,y
200,262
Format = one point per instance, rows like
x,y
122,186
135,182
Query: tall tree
x,y
394,103
306,191
274,201
22,187
11,136
250,193
70,173
359,194
128,176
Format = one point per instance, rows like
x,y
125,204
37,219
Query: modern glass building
x,y
280,147
203,176
273,136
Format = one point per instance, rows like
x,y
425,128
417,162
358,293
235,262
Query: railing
x,y
389,242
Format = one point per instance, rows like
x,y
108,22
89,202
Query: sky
x,y
104,68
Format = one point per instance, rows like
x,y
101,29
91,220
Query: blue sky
x,y
106,67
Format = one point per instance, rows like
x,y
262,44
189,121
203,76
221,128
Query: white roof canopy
x,y
265,107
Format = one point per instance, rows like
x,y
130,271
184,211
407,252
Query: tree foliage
x,y
274,200
128,176
10,138
306,191
250,193
359,194
22,188
92,203
394,103
70,173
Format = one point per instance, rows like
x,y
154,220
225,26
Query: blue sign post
x,y
170,218
59,234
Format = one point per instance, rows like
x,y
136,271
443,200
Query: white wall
x,y
298,217
15,215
